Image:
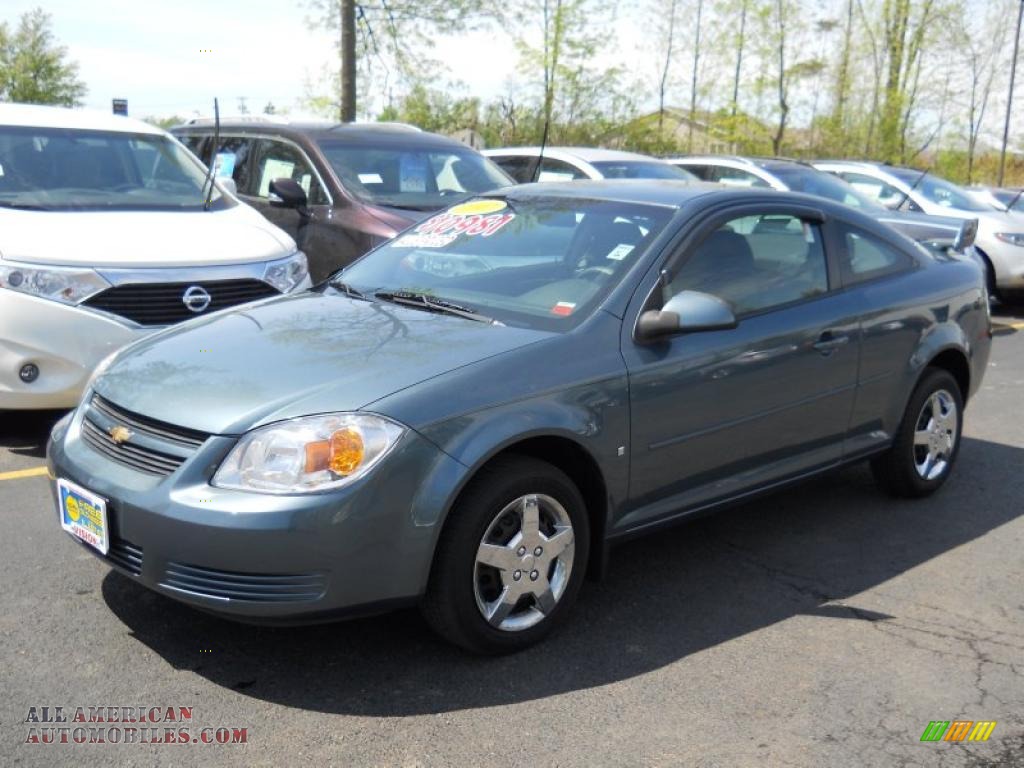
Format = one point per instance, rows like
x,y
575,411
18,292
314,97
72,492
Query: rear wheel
x,y
928,440
511,558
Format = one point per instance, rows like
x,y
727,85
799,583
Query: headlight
x,y
286,274
67,285
313,453
1013,238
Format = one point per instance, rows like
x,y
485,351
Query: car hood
x,y
293,356
137,239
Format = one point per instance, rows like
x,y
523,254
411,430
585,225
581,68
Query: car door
x,y
720,413
874,274
327,243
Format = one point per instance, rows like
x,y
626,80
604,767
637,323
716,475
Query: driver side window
x,y
757,263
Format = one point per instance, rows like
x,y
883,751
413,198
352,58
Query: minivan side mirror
x,y
286,193
686,312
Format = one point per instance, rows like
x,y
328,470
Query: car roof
x,y
586,154
665,192
38,116
320,130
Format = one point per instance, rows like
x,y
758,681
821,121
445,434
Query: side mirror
x,y
286,193
686,312
966,235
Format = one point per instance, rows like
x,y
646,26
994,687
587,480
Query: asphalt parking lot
x,y
823,626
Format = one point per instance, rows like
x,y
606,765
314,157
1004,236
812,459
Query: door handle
x,y
829,342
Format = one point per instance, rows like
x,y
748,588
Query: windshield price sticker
x,y
425,240
473,225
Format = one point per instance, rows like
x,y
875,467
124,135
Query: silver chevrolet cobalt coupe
x,y
470,415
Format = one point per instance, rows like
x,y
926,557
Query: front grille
x,y
140,455
251,587
164,304
126,555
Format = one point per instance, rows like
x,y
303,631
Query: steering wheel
x,y
594,273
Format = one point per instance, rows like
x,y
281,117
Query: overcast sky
x,y
153,53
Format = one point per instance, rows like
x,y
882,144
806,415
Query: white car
x,y
108,231
525,164
1000,238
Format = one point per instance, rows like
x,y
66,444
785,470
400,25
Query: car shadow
x,y
665,597
25,432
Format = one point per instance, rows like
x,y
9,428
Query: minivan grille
x,y
180,443
251,587
164,303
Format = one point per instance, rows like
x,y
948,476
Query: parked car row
x,y
110,229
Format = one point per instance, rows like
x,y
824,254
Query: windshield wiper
x,y
424,301
340,285
426,207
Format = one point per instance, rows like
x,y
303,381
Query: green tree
x,y
392,37
34,68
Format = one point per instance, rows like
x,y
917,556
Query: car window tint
x,y
195,144
277,160
756,263
518,167
734,177
866,257
876,189
558,170
232,159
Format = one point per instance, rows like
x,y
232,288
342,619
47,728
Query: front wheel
x,y
511,557
928,440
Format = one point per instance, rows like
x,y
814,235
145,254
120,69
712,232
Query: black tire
x,y
450,604
896,470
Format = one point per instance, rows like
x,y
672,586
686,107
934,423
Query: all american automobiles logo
x,y
125,725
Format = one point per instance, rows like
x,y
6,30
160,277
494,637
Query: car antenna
x,y
906,195
208,194
1014,199
540,155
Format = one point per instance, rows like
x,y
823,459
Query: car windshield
x,y
814,182
62,169
641,169
939,191
538,263
418,179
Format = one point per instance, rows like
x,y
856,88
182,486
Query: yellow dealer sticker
x,y
477,207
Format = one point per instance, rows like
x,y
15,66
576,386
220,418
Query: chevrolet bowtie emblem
x,y
120,434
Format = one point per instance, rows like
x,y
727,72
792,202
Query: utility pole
x,y
1009,97
347,11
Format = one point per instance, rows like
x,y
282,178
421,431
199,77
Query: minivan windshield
x,y
425,179
62,169
539,263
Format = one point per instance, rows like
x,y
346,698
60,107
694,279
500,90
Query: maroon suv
x,y
356,184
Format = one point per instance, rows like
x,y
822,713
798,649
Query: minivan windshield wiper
x,y
430,303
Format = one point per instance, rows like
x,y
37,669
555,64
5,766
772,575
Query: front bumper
x,y
64,342
263,558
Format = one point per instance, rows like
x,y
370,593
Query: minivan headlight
x,y
68,285
308,454
1013,238
286,274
